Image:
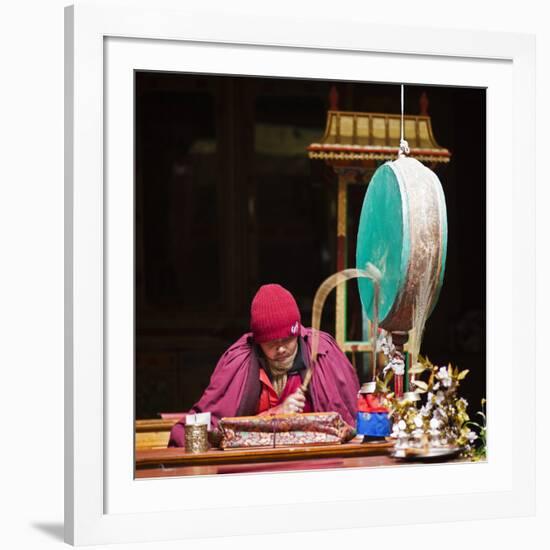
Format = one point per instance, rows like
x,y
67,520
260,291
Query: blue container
x,y
373,424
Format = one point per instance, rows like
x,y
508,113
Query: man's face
x,y
279,350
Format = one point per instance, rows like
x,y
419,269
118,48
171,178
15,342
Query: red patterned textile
x,y
284,429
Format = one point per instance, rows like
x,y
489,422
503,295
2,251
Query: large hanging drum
x,y
403,232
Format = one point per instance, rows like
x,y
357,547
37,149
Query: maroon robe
x,y
235,385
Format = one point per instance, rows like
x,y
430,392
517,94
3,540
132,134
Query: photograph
x,y
299,273
309,274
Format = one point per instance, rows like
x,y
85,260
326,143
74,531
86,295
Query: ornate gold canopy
x,y
354,136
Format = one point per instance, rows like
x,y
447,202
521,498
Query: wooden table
x,y
176,462
153,433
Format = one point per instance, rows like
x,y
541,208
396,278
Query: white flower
x,y
442,373
444,376
425,409
434,430
439,397
399,429
436,386
399,432
472,436
434,423
418,421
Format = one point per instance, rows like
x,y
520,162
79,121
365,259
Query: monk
x,y
261,373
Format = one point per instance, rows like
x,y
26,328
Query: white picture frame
x,y
105,43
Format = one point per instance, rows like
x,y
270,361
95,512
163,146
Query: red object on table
x,y
370,402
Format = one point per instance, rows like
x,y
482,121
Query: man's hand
x,y
294,403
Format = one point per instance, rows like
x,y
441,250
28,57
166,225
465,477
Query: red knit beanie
x,y
274,314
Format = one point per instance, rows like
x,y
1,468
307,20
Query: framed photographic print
x,y
219,171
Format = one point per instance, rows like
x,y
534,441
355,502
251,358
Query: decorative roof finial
x,y
424,103
333,98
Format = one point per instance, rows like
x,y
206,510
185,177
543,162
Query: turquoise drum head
x,y
403,232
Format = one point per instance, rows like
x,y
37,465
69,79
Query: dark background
x,y
227,200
